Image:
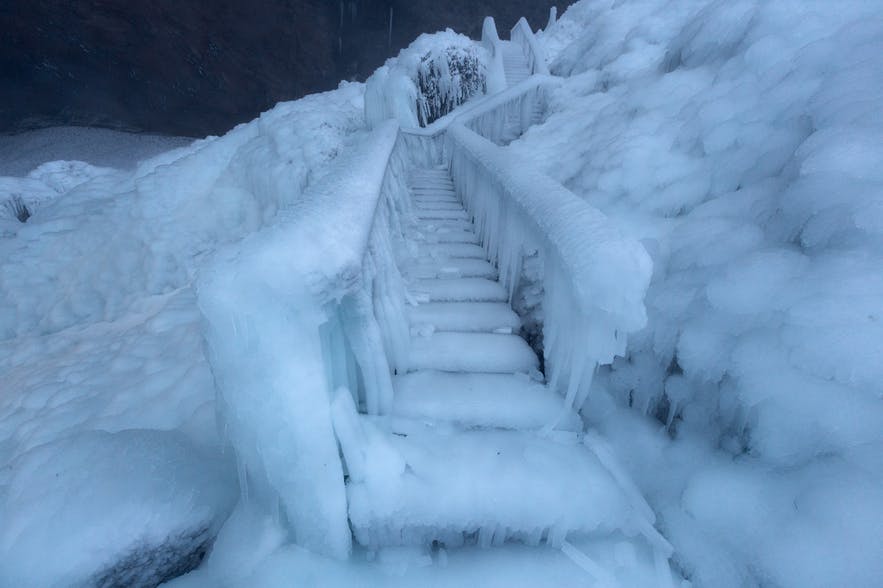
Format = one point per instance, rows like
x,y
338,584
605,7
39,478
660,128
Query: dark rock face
x,y
148,566
197,68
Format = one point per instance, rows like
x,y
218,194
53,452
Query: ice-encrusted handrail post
x,y
490,40
553,17
522,34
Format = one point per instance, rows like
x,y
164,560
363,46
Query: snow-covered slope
x,y
741,141
99,329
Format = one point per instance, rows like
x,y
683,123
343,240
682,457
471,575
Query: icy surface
x,y
417,483
511,401
740,142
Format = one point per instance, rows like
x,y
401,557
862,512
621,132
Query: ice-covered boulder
x,y
133,508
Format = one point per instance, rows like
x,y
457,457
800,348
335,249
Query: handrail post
x,y
496,78
553,17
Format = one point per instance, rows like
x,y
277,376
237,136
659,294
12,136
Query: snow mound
x,y
132,508
740,141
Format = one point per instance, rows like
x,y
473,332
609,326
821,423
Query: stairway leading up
x,y
478,449
514,63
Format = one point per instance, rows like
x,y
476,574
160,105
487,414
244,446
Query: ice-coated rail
x,y
310,331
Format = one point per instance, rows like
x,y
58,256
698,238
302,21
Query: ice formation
x,y
719,171
738,140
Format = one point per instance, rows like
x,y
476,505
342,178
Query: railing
x,y
490,40
310,304
593,278
536,58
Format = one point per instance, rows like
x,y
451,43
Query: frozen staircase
x,y
515,64
478,449
449,432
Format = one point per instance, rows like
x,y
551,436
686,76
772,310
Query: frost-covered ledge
x,y
267,305
594,278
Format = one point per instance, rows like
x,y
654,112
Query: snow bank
x,y
132,508
740,142
428,79
99,327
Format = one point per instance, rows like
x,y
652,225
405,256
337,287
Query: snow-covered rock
x,y
132,508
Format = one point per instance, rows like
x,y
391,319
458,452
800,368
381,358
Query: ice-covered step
x,y
436,214
465,316
432,183
449,225
457,267
438,206
504,401
460,290
448,250
479,486
423,194
471,352
443,235
432,191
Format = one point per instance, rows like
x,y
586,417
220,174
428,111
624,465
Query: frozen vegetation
x,y
221,355
427,80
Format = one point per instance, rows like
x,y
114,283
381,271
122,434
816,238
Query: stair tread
x,y
443,214
501,484
506,401
443,235
437,206
472,352
465,316
439,224
460,289
449,250
454,267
